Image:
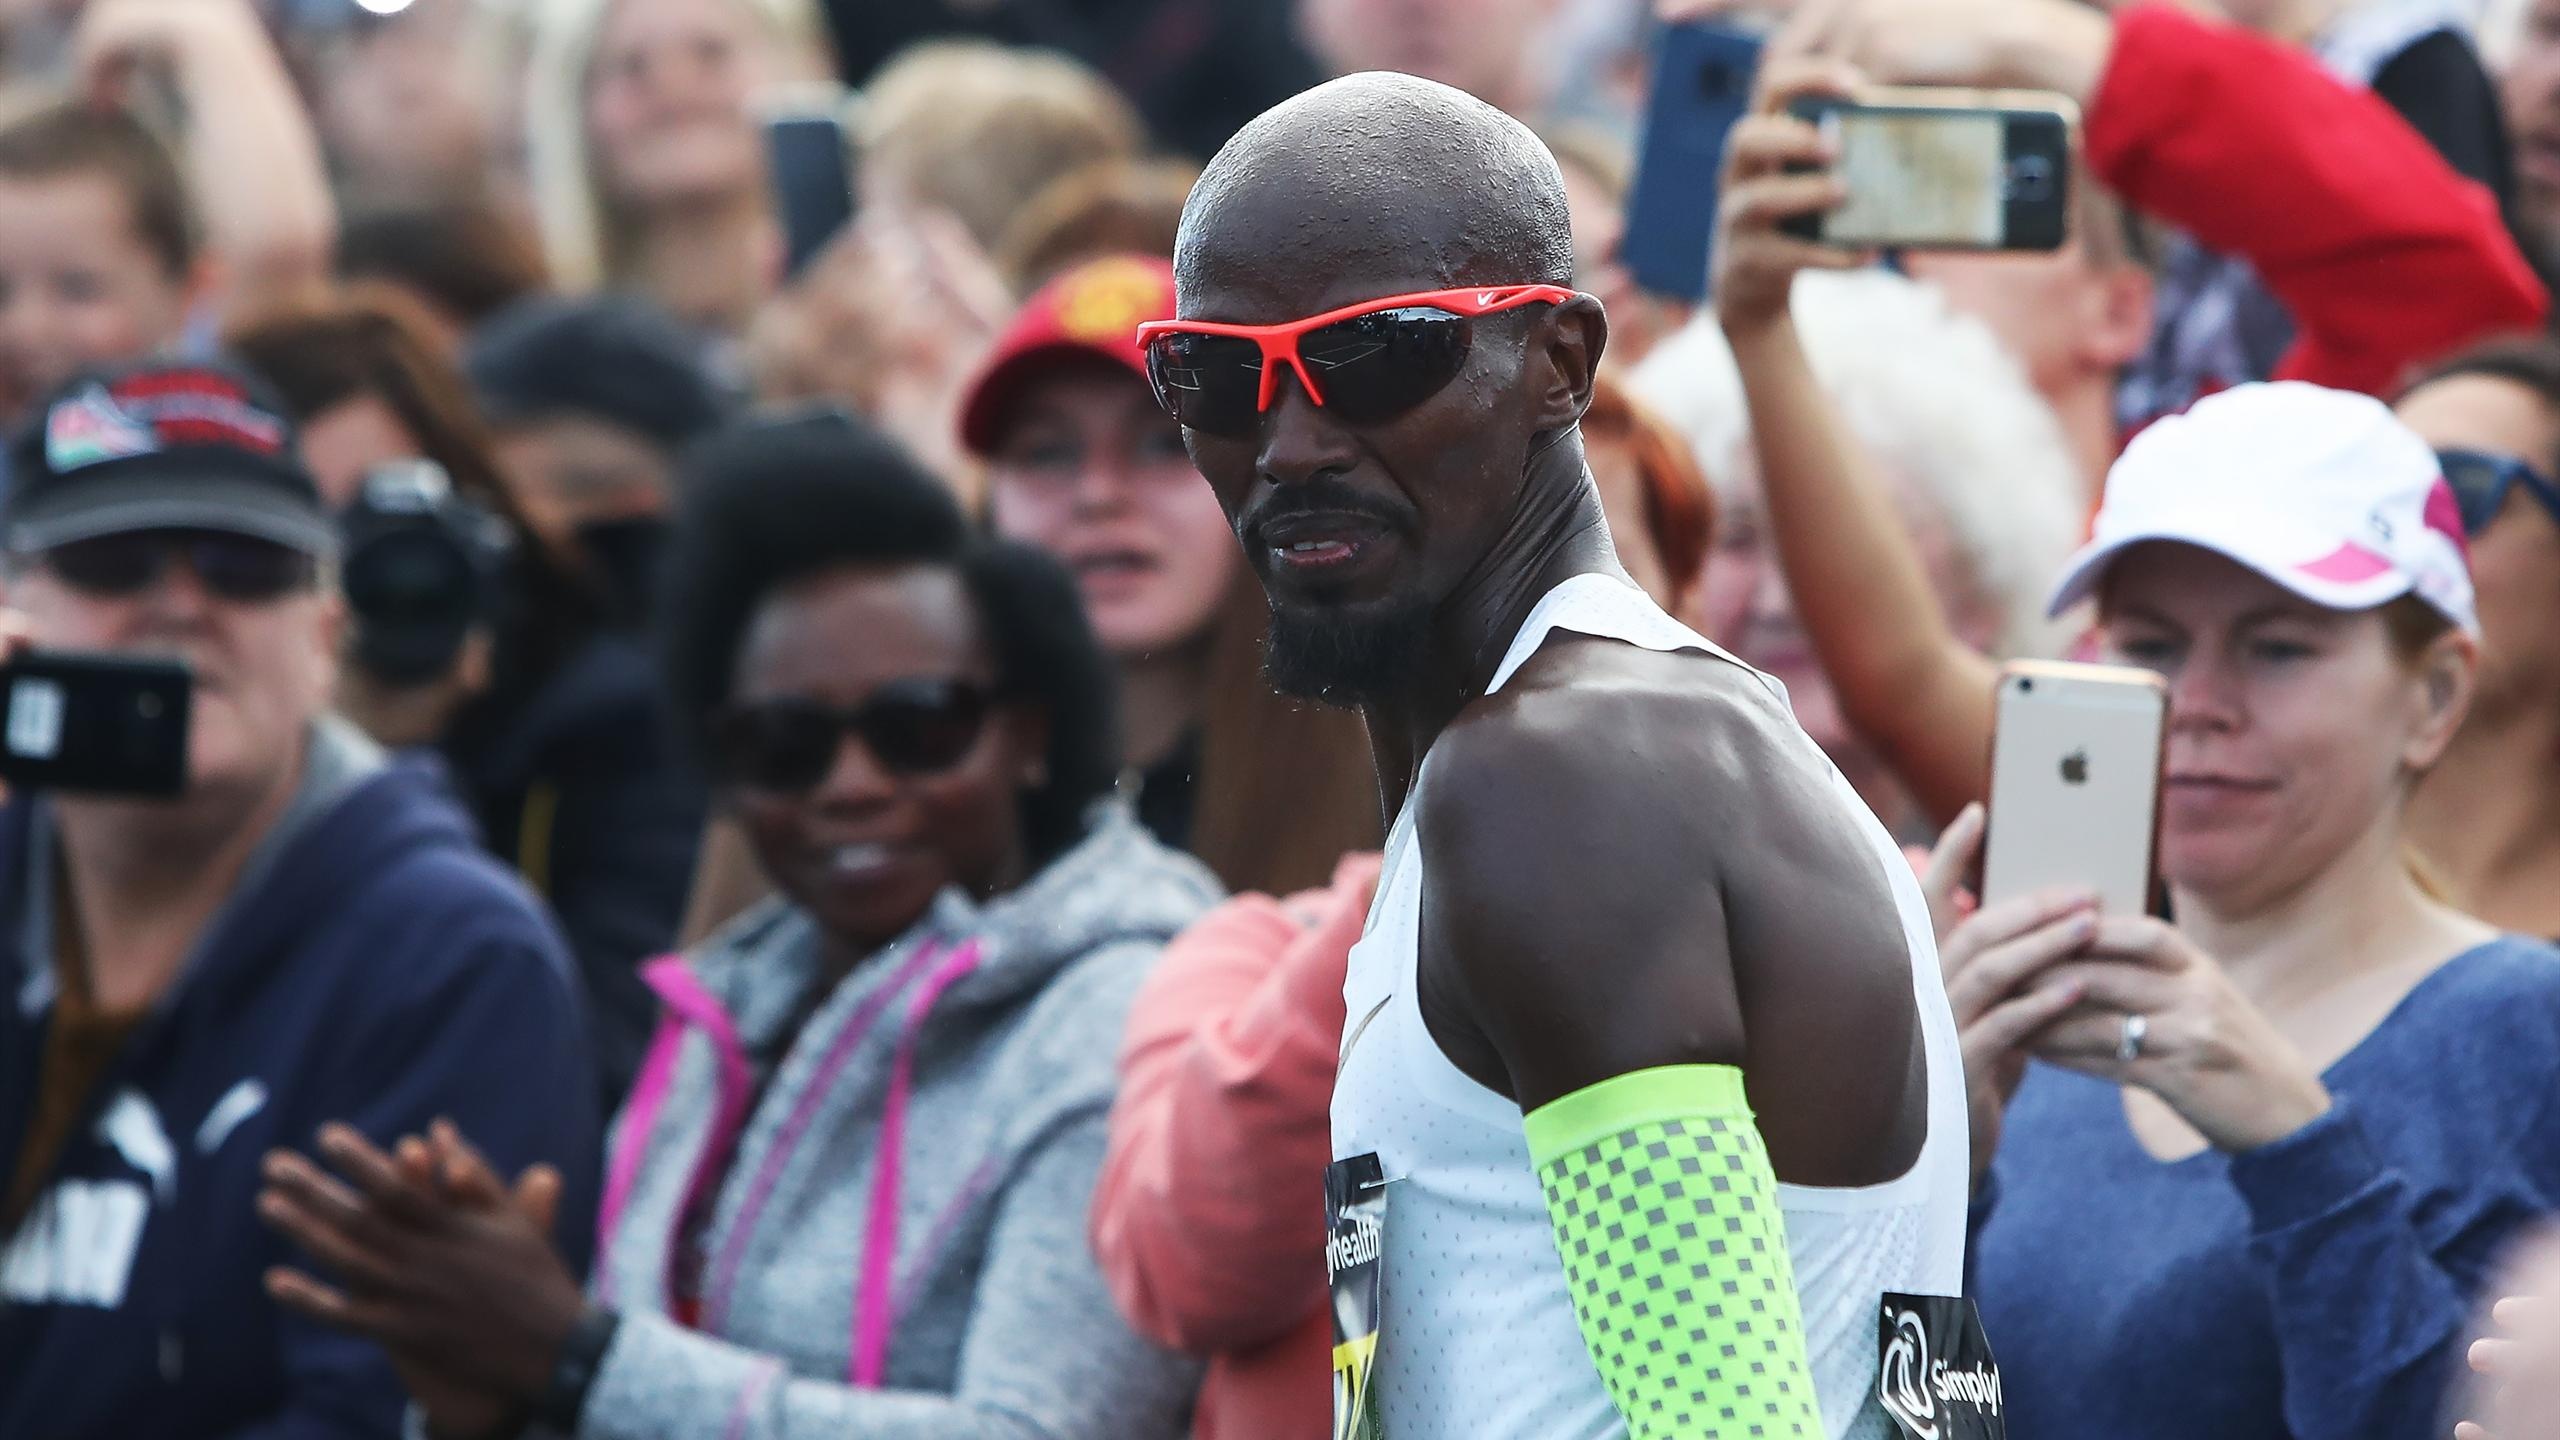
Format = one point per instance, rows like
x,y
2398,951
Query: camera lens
x,y
408,575
2030,179
2026,686
1718,80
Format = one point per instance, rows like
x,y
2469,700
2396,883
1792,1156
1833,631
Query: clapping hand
x,y
435,1259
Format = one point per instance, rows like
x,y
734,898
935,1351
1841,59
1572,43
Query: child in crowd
x,y
98,252
114,245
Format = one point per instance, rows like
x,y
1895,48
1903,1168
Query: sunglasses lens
x,y
911,727
1211,383
1375,367
775,744
923,728
237,567
2479,485
233,567
110,565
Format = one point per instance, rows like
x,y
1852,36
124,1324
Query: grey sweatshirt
x,y
995,1322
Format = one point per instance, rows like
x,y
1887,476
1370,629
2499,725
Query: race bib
x,y
1935,1374
1355,1215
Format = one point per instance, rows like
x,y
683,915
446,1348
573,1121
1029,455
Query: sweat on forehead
x,y
1368,185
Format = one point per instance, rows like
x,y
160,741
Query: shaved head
x,y
1363,527
1387,181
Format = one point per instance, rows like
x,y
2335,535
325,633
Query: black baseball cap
x,y
162,446
609,357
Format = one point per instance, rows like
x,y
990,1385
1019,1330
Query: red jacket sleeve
x,y
1208,1220
2384,255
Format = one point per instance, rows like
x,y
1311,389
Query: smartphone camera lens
x,y
1718,80
2030,180
2026,687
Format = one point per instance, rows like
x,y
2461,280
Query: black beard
x,y
1346,657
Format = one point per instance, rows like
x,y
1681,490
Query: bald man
x,y
1649,1091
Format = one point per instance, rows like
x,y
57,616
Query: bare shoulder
x,y
1592,734
1616,850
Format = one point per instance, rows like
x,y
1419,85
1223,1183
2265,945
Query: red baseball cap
x,y
1093,309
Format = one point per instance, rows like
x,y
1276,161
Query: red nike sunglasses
x,y
1378,358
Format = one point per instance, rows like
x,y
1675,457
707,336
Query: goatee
x,y
1348,655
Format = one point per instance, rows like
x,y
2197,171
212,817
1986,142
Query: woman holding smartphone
x,y
2243,1175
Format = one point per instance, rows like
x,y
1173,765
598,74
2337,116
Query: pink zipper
x,y
720,1279
873,1317
688,1005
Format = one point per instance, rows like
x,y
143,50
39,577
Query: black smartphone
x,y
97,724
1702,78
1947,169
810,161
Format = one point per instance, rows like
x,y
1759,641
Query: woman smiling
x,y
847,1194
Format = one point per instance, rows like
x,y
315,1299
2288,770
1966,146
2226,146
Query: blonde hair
x,y
1934,398
577,225
979,129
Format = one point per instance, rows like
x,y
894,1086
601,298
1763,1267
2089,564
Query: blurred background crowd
x,y
933,1085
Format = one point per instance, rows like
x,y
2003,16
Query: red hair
x,y
1679,509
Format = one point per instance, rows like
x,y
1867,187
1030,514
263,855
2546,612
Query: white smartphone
x,y
2075,782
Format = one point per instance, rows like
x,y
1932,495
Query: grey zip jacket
x,y
954,1299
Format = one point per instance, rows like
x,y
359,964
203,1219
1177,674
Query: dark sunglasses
x,y
911,727
1366,363
233,567
2480,482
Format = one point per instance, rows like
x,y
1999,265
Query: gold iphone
x,y
2075,782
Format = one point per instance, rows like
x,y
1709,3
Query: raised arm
x,y
254,172
2383,254
1905,680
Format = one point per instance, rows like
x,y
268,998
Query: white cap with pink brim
x,y
2322,491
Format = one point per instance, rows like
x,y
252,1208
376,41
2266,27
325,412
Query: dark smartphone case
x,y
98,724
1702,81
812,174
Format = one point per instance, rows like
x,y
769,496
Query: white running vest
x,y
1478,1340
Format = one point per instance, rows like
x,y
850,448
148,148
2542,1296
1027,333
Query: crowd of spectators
x,y
813,920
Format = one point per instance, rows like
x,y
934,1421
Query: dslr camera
x,y
421,572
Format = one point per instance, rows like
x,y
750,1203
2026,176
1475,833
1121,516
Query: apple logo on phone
x,y
2075,768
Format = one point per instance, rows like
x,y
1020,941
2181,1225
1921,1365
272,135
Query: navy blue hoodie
x,y
382,971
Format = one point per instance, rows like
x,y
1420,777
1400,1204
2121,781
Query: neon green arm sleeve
x,y
1666,1216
